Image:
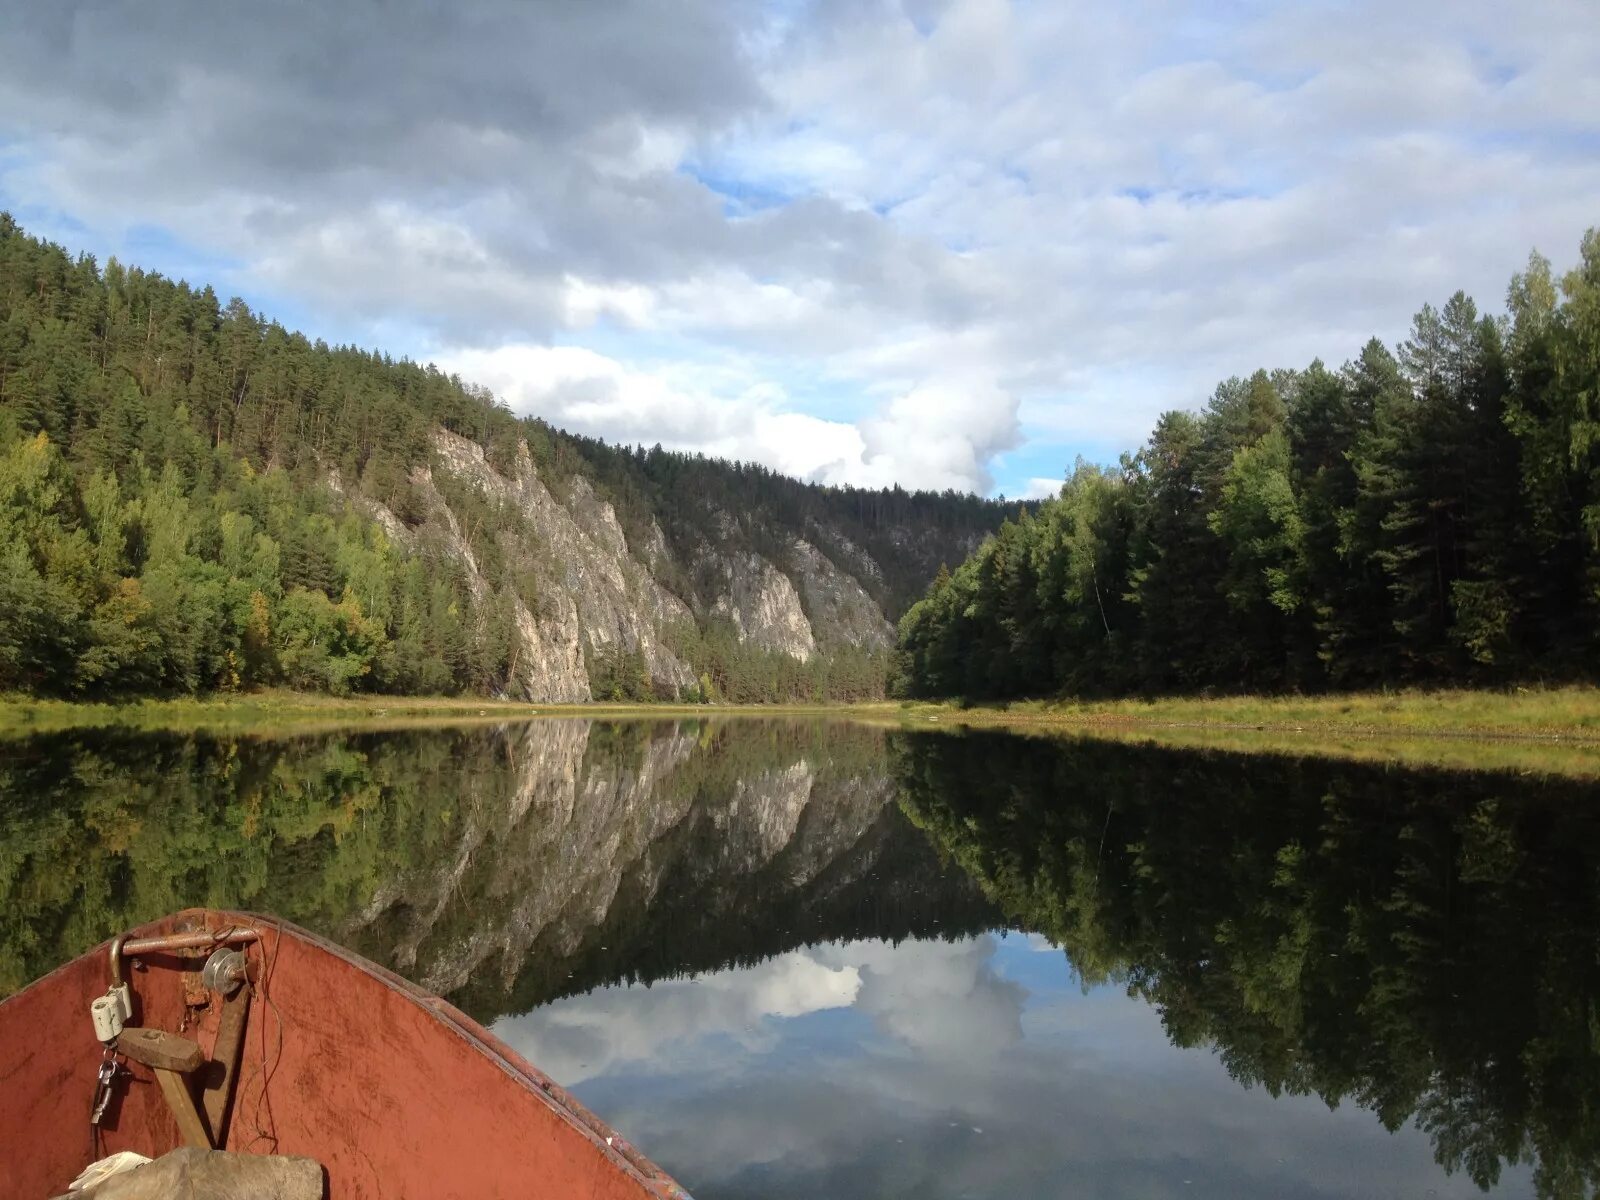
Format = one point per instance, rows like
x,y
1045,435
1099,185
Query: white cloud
x,y
586,303
933,436
924,216
939,434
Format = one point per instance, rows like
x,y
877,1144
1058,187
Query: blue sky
x,y
945,243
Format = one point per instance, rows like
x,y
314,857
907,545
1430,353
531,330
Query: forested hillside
x,y
193,498
1426,514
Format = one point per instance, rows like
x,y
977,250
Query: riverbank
x,y
1545,731
269,711
1539,713
1544,714
1553,731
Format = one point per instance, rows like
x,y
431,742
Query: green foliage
x,y
733,671
165,525
323,646
621,675
1429,516
1258,519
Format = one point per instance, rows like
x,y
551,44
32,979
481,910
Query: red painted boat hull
x,y
395,1092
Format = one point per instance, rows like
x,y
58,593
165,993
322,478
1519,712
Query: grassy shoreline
x,y
269,711
1555,730
1544,714
1547,714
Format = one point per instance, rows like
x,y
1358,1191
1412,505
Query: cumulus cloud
x,y
936,435
904,234
940,434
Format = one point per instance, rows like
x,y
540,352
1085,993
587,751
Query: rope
x,y
266,1067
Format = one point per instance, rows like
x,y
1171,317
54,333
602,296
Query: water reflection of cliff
x,y
1422,944
614,851
501,865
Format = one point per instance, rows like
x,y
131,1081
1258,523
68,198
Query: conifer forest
x,y
1427,513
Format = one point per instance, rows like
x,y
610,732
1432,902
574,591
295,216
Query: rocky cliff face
x,y
596,594
593,593
763,604
839,606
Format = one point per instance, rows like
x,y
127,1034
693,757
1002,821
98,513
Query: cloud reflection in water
x,y
947,1069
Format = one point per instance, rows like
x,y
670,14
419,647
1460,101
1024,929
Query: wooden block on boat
x,y
159,1049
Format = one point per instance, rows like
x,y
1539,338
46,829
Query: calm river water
x,y
820,960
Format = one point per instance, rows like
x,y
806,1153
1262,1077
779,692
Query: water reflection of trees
x,y
101,830
1423,944
504,865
